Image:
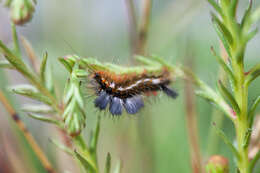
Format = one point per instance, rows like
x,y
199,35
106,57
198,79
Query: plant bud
x,y
21,11
218,164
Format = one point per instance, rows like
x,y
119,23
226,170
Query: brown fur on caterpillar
x,y
126,90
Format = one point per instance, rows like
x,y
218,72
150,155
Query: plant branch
x,y
31,141
22,68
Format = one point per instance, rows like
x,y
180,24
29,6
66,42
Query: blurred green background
x,y
154,140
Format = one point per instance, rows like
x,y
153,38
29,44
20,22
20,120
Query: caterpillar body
x,y
125,91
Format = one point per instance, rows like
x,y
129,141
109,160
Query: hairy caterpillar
x,y
120,91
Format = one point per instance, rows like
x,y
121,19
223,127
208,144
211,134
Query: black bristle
x,y
102,101
116,106
169,92
133,104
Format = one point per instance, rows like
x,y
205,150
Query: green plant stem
x,y
15,40
241,122
80,143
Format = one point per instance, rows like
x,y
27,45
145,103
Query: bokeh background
x,y
155,140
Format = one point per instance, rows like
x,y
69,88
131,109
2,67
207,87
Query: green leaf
x,y
16,48
62,147
228,96
223,33
118,168
246,21
6,64
254,161
108,163
252,109
220,27
239,55
81,73
225,67
16,62
233,7
45,119
43,67
221,134
159,60
39,109
255,15
31,92
253,74
251,34
247,138
205,95
94,139
216,7
49,80
145,60
69,61
218,102
85,161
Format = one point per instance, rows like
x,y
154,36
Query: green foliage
x,y
225,67
227,141
62,147
74,113
43,67
85,161
235,37
228,96
37,108
31,92
5,64
45,119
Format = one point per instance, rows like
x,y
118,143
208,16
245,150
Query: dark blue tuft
x,y
169,92
116,106
133,104
102,100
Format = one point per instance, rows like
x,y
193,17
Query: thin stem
x,y
16,41
38,151
138,40
132,25
31,54
143,32
191,119
241,123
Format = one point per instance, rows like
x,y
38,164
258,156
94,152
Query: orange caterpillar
x,y
126,90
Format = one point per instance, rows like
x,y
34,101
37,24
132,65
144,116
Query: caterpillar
x,y
125,91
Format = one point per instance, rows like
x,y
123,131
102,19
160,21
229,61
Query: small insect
x,y
126,91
